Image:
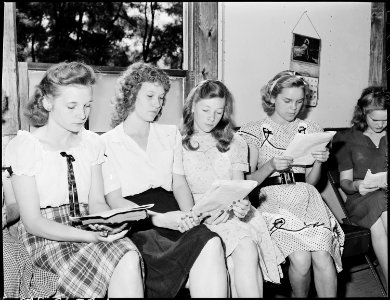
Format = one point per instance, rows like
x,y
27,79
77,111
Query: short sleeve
x,y
178,167
24,154
110,179
342,151
95,147
238,154
250,132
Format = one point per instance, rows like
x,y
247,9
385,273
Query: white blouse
x,y
128,166
28,156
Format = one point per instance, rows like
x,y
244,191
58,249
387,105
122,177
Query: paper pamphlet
x,y
222,193
303,145
116,215
377,179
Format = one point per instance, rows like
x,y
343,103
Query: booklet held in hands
x,y
222,193
303,145
377,179
115,216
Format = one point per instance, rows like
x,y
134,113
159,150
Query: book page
x,y
113,212
377,179
301,147
222,193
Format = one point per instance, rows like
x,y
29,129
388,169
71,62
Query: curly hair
x,y
130,83
224,131
284,79
58,75
372,98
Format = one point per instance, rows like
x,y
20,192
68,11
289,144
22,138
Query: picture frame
x,y
305,49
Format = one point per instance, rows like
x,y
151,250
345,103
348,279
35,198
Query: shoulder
x,y
112,134
91,137
24,140
252,126
166,131
238,140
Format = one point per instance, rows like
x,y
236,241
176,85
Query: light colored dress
x,y
207,164
297,217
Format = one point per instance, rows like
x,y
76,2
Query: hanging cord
x,y
305,12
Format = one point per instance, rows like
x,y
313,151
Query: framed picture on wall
x,y
306,49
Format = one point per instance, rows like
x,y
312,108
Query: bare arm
x,y
27,197
313,174
257,174
350,186
182,192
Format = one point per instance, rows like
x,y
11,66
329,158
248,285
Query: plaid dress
x,y
84,269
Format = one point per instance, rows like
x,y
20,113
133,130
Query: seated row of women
x,y
61,170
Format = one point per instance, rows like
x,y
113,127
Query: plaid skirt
x,y
22,279
84,269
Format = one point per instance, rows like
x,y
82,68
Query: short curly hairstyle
x,y
284,79
129,84
224,131
62,74
372,98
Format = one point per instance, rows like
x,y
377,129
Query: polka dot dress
x,y
296,215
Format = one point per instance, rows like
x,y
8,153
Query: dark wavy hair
x,y
284,79
372,98
62,74
130,82
224,130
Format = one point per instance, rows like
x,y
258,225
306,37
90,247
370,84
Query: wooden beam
x,y
23,94
377,69
9,79
202,42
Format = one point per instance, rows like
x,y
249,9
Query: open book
x,y
222,193
115,216
377,179
301,147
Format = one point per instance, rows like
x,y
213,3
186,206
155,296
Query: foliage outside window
x,y
101,33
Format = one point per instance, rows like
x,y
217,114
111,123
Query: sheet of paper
x,y
303,145
222,193
377,179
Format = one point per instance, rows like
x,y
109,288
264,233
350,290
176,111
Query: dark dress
x,y
356,151
168,254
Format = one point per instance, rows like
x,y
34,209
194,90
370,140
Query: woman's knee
x,y
300,261
214,246
246,250
322,259
130,261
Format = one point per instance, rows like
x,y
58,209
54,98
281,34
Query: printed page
x,y
377,179
222,194
303,145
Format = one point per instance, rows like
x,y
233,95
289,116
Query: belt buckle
x,y
287,177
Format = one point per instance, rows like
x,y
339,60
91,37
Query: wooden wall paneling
x,y
377,69
202,40
9,79
23,94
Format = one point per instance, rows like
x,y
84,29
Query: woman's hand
x,y
321,155
101,237
280,163
364,188
241,208
107,230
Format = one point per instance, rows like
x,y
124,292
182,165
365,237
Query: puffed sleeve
x,y
178,167
24,154
111,181
94,146
313,127
342,150
250,132
238,154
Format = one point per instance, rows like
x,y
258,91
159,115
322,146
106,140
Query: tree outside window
x,y
101,33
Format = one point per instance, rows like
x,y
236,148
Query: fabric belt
x,y
284,178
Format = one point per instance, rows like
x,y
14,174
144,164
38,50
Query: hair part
x,y
129,84
58,75
224,131
282,80
372,98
